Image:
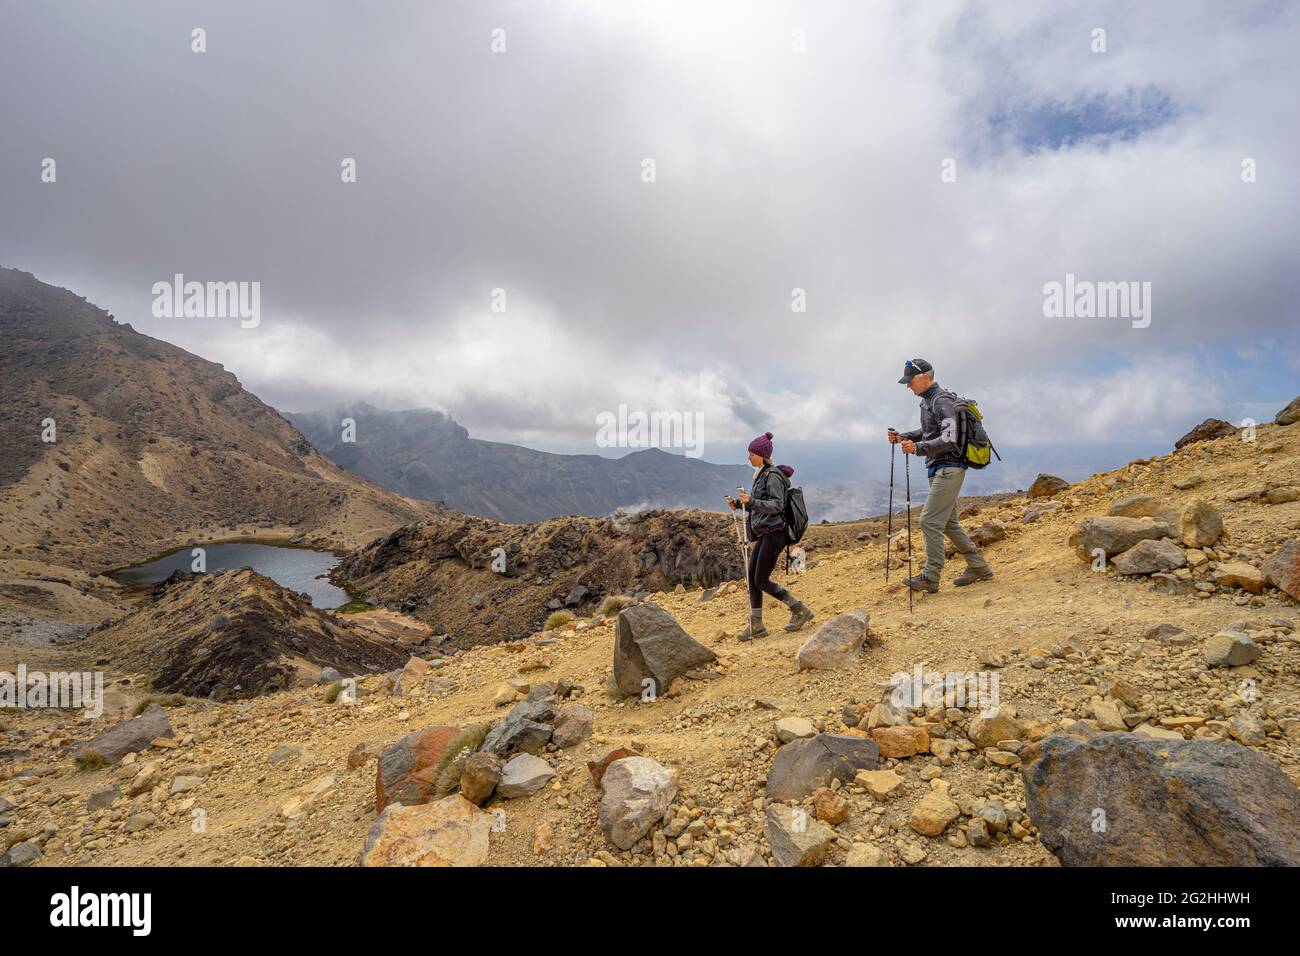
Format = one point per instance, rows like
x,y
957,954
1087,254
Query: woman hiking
x,y
765,526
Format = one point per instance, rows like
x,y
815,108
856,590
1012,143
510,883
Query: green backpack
x,y
972,439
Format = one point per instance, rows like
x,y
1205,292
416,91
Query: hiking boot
x,y
970,576
800,614
755,628
922,583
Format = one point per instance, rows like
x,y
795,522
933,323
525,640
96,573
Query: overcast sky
x,y
795,146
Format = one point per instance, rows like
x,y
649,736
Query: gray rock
x,y
572,726
652,647
1165,802
1230,649
795,837
526,729
1116,535
836,644
638,792
131,735
523,775
1045,486
103,797
1150,556
328,675
21,854
801,766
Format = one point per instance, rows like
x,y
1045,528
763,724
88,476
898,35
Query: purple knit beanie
x,y
762,445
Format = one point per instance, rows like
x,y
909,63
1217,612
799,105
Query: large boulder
x,y
1208,430
801,766
1120,799
1282,570
408,770
1116,535
1289,415
1149,557
652,647
131,735
836,644
1200,525
449,832
1045,486
637,794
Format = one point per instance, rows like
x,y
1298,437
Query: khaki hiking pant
x,y
939,517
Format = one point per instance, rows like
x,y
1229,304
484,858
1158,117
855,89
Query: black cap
x,y
914,367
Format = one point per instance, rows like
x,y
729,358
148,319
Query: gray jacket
x,y
765,512
937,412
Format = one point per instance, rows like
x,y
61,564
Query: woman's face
x,y
756,460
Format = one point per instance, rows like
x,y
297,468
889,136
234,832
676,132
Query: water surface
x,y
298,569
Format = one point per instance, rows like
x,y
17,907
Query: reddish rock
x,y
598,767
1282,570
407,769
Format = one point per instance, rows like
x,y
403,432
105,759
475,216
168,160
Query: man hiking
x,y
764,509
945,464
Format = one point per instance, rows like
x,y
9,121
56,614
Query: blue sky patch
x,y
1100,118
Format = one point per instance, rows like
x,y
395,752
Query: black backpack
x,y
795,516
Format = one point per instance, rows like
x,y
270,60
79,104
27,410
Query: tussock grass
x,y
87,759
558,619
452,764
613,604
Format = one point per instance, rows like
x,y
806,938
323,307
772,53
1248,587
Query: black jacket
x,y
937,408
766,508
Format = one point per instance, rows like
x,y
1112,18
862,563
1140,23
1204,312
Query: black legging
x,y
762,561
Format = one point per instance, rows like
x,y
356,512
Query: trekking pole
x,y
889,520
907,471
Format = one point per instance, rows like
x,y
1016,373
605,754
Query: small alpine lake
x,y
298,569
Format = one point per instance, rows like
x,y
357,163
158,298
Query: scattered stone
x,y
597,768
572,726
1116,535
1201,525
1208,430
829,806
987,731
1045,486
881,784
103,797
637,792
836,644
1230,649
801,766
1282,570
449,832
901,741
526,729
131,735
794,839
523,775
794,728
1138,506
935,811
480,776
864,854
1150,556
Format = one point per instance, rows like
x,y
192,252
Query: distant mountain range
x,y
422,453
